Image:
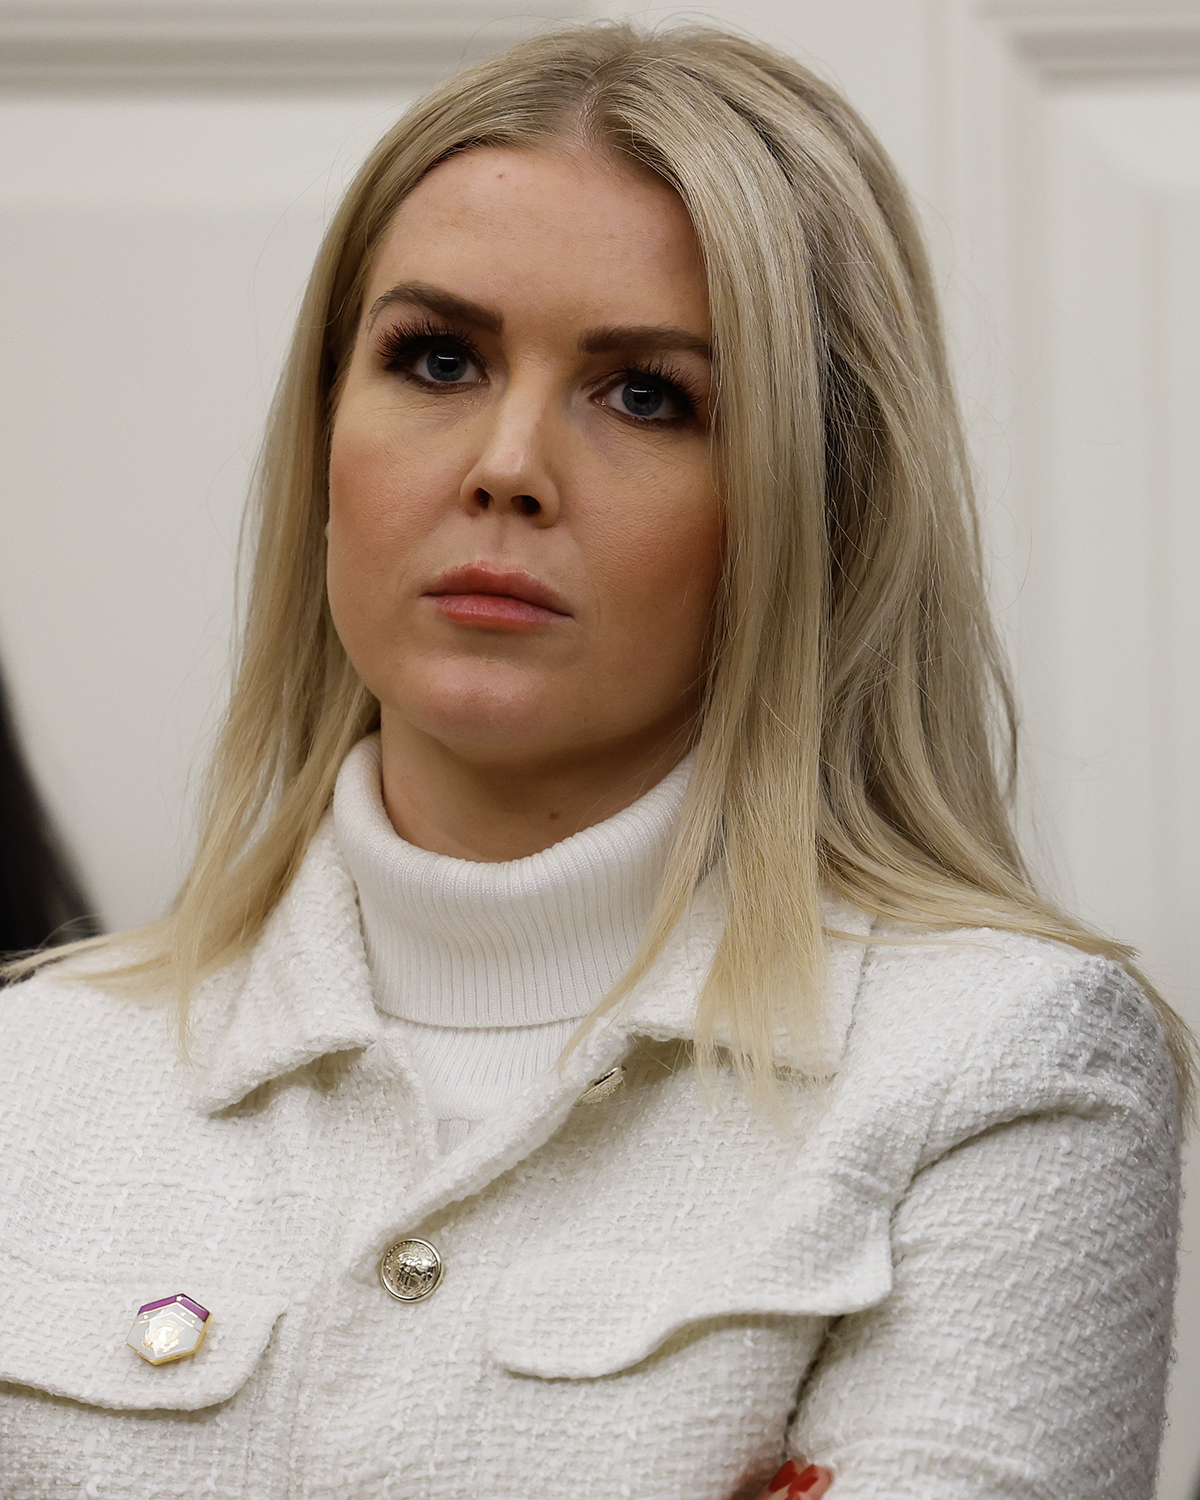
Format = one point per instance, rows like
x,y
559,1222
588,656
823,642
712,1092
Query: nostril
x,y
527,505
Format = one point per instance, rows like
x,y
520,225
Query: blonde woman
x,y
623,1053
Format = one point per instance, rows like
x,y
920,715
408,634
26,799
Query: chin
x,y
492,742
504,716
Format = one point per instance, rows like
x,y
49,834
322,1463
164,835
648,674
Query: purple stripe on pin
x,y
192,1307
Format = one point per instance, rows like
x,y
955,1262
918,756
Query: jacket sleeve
x,y
1023,1348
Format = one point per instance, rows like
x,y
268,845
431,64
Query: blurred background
x,y
166,167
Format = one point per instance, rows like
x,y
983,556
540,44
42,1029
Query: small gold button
x,y
600,1088
410,1270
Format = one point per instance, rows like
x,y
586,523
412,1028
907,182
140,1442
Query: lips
x,y
496,599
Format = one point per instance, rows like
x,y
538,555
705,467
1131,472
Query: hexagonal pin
x,y
169,1329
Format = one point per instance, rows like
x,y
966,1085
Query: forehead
x,y
549,225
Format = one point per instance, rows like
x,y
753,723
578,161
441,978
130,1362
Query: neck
x,y
498,808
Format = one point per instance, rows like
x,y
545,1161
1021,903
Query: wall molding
x,y
1106,53
251,45
1100,39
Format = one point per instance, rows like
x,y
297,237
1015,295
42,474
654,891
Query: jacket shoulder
x,y
1001,1025
64,1029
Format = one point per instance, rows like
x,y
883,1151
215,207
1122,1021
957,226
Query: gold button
x,y
410,1270
600,1088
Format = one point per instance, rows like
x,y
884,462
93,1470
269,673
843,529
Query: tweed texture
x,y
949,1276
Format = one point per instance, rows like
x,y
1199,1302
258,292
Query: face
x,y
524,537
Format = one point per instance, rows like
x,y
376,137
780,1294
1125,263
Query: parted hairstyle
x,y
857,731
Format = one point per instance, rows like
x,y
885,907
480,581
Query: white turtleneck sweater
x,y
488,968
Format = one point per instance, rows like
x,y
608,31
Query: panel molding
x,y
1007,61
1102,39
252,45
1003,62
1008,68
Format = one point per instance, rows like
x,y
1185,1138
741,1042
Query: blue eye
x,y
652,399
429,355
447,366
641,399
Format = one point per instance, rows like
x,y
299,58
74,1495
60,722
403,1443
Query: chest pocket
x,y
65,1335
578,1314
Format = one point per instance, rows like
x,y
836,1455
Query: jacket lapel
x,y
304,991
661,1008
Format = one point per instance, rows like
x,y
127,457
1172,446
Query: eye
x,y
641,399
446,365
429,356
647,398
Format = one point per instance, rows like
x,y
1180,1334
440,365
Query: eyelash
x,y
674,382
403,343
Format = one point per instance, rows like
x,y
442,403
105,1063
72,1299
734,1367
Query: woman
x,y
624,1053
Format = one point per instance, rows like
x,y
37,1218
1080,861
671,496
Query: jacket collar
x,y
304,990
663,1006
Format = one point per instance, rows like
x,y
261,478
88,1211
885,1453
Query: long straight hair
x,y
857,732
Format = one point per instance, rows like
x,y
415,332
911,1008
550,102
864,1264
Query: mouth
x,y
492,598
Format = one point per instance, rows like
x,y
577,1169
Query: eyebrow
x,y
635,341
435,300
642,339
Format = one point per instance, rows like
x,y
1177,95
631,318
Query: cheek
x,y
662,562
382,486
388,493
380,507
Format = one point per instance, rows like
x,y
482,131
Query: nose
x,y
523,505
513,473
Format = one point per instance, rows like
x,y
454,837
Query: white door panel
x,y
1118,686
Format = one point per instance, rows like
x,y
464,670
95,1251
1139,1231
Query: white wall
x,y
162,187
154,248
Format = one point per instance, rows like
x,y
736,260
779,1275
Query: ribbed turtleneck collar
x,y
453,942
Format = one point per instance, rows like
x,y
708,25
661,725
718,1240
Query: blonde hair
x,y
857,710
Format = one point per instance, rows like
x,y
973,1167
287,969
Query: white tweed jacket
x,y
950,1277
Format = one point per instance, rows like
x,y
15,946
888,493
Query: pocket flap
x,y
578,1314
66,1336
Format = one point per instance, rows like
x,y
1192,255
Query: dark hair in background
x,y
41,899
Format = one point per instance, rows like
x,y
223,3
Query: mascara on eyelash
x,y
405,341
672,380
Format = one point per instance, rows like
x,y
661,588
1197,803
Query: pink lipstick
x,y
490,598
